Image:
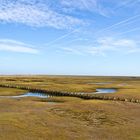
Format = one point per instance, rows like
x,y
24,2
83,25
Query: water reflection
x,y
29,94
106,90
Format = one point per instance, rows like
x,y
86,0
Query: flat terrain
x,y
127,86
66,118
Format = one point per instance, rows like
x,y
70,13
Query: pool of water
x,y
43,95
105,90
29,94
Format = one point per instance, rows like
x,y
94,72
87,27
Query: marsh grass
x,y
11,92
70,118
127,87
67,118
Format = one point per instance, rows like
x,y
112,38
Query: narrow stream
x,y
28,94
44,95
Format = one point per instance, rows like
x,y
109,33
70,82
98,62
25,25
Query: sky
x,y
70,37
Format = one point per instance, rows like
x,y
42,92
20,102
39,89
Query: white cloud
x,y
71,50
106,45
126,4
57,14
85,5
16,46
35,13
103,46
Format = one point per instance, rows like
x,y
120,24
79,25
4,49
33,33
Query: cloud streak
x,y
44,13
35,14
16,46
93,6
105,46
61,37
123,22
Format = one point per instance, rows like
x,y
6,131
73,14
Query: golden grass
x,y
127,86
11,92
74,118
66,118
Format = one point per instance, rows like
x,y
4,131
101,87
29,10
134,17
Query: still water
x,y
44,95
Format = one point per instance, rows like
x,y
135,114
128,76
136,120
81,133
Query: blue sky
x,y
76,37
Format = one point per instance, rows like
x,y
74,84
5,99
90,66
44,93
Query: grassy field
x,y
11,92
127,86
66,118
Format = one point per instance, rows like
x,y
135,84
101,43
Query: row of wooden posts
x,y
72,94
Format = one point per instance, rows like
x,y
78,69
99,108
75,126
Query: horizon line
x,y
73,75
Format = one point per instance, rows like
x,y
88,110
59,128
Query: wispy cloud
x,y
93,6
120,23
71,50
56,14
16,46
109,44
105,46
35,13
126,4
61,37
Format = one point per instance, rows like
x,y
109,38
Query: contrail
x,y
61,37
135,29
119,23
85,5
74,40
102,30
124,4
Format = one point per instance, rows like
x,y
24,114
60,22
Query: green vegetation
x,y
66,118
